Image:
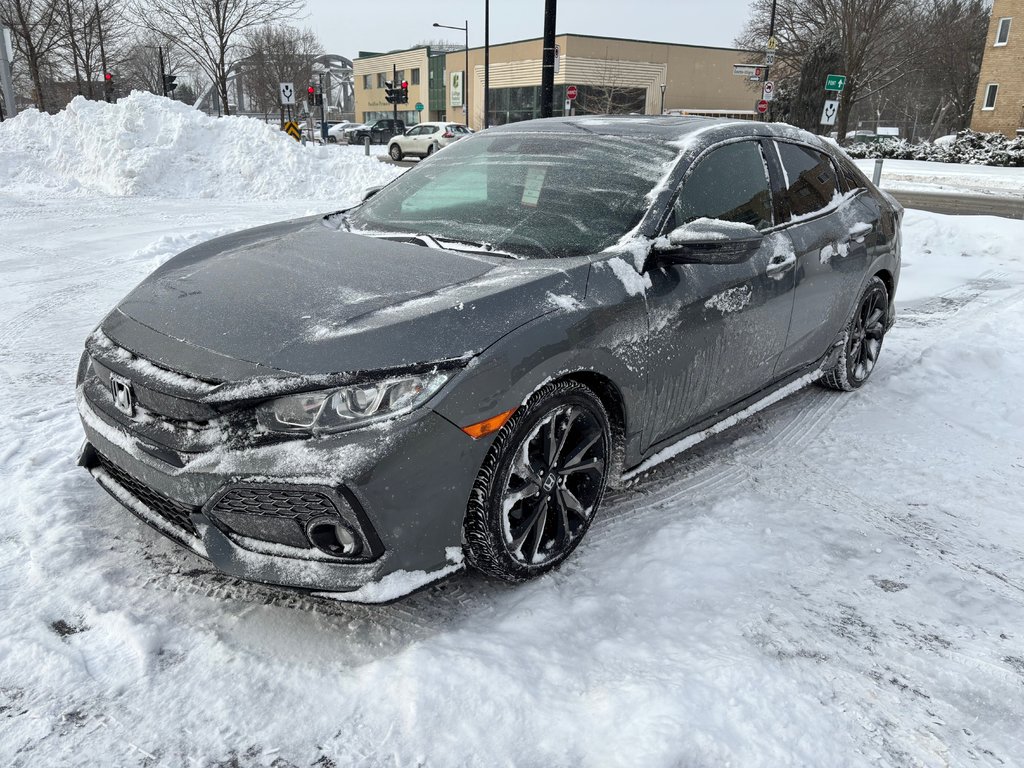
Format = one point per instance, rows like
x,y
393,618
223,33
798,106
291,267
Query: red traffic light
x,y
405,84
107,76
311,90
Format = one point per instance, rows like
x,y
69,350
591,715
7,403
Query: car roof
x,y
663,128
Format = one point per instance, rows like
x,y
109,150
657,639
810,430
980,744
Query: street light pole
x,y
465,74
487,63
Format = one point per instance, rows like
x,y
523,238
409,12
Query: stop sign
x,y
570,92
762,106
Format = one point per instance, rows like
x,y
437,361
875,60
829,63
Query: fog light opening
x,y
332,537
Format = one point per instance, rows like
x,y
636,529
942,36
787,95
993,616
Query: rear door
x,y
830,227
716,330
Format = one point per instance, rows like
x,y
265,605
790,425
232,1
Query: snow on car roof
x,y
659,128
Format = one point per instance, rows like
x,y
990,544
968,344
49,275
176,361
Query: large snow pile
x,y
968,147
145,145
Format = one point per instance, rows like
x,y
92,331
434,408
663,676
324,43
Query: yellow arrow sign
x,y
773,43
292,129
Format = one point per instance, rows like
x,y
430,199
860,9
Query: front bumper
x,y
402,486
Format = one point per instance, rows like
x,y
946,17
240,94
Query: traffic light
x,y
391,93
169,84
311,95
109,78
403,94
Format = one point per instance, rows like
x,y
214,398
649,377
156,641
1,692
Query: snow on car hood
x,y
303,298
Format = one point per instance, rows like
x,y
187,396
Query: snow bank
x,y
145,145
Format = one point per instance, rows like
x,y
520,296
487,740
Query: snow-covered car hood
x,y
304,298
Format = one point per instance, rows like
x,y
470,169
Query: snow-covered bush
x,y
969,147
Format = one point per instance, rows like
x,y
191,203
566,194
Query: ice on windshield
x,y
535,195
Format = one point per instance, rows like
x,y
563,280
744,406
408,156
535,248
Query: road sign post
x,y
570,93
287,91
762,106
768,92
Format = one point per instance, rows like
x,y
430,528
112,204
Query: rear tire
x,y
395,151
541,484
862,340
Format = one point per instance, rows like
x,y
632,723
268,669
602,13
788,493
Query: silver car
x,y
423,139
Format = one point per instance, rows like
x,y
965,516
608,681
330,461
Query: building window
x,y
381,77
1003,32
367,82
399,75
990,96
415,76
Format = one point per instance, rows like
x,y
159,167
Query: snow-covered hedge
x,y
970,147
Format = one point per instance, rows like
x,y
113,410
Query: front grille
x,y
276,502
175,513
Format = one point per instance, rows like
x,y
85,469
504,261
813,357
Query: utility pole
x,y
103,54
323,116
547,71
163,73
487,63
767,69
10,108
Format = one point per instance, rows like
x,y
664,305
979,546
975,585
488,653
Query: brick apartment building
x,y
999,105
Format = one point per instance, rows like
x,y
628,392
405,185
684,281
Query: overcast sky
x,y
347,28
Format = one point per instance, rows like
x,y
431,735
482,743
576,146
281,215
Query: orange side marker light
x,y
486,427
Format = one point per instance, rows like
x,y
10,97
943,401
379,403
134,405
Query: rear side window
x,y
729,184
810,181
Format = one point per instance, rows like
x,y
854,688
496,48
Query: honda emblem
x,y
124,398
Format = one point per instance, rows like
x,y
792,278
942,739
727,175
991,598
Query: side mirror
x,y
708,241
370,192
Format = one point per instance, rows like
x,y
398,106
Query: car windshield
x,y
531,195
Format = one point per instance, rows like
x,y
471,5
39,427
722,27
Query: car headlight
x,y
352,406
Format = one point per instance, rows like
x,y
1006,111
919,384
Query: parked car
x,y
453,370
379,131
336,131
423,139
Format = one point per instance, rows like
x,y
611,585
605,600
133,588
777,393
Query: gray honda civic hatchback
x,y
454,370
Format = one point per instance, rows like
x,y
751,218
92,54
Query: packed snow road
x,y
838,582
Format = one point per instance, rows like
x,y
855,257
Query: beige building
x,y
999,105
611,76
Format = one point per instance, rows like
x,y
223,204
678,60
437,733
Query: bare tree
x,y
82,24
877,44
208,31
37,34
277,54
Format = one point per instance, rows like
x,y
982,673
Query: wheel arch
x,y
611,398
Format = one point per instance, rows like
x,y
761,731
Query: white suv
x,y
421,140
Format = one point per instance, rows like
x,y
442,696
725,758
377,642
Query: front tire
x,y
395,151
862,341
541,484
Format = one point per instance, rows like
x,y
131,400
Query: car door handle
x,y
859,231
779,265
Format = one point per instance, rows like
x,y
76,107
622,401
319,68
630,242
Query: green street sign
x,y
835,82
419,106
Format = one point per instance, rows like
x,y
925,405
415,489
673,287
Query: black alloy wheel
x,y
541,484
863,342
395,151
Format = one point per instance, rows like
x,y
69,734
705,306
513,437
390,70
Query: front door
x,y
716,330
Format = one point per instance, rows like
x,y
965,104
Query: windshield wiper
x,y
469,246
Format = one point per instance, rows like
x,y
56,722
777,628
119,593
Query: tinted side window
x,y
730,184
812,181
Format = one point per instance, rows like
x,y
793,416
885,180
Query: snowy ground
x,y
922,176
839,582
